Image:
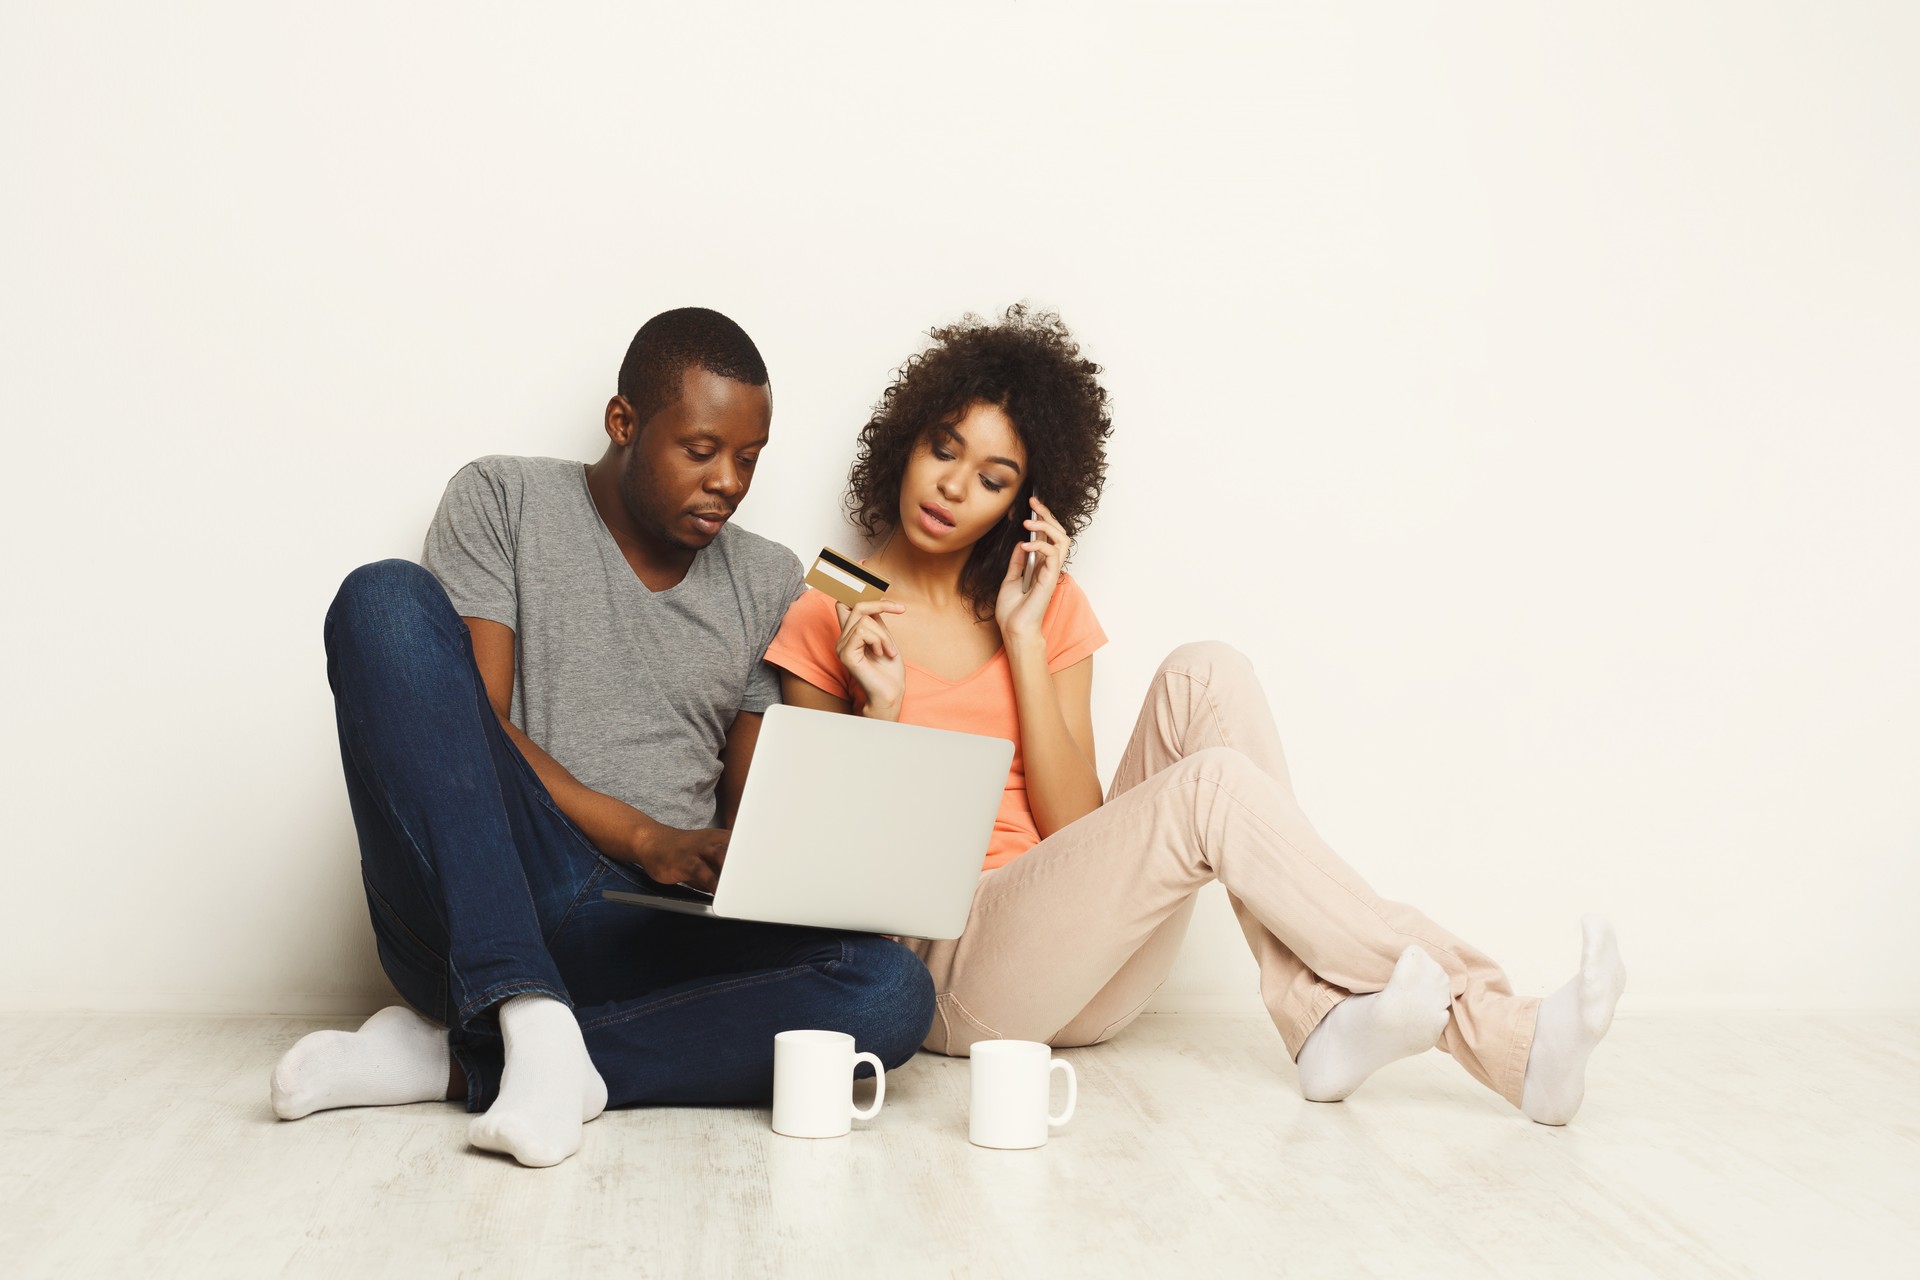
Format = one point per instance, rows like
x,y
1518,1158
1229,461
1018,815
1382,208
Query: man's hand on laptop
x,y
673,856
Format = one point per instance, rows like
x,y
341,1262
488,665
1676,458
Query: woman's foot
x,y
1572,1021
396,1056
1362,1034
548,1090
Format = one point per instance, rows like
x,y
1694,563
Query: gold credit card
x,y
844,579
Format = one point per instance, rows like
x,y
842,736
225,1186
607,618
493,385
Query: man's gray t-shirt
x,y
631,690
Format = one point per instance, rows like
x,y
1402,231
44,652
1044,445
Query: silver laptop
x,y
850,823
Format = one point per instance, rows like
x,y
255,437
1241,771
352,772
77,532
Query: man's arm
x,y
735,758
617,829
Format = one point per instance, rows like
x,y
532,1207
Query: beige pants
x,y
1068,942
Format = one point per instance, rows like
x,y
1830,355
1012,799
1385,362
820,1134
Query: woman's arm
x,y
796,692
870,658
1056,709
1056,736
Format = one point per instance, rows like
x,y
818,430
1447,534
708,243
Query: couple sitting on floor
x,y
565,699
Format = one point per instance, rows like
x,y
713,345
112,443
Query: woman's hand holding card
x,y
868,652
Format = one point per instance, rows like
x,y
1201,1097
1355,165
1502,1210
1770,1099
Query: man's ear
x,y
622,427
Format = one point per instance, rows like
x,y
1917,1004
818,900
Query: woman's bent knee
x,y
1208,661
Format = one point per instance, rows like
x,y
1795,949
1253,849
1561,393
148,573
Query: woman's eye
x,y
942,454
991,486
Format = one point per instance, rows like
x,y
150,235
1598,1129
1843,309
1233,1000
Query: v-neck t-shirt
x,y
982,702
632,690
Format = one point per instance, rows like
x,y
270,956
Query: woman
x,y
989,447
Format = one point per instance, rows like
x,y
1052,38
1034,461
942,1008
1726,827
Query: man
x,y
565,699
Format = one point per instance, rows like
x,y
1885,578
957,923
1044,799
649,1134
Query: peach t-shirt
x,y
981,703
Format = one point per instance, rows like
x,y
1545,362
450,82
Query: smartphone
x,y
1033,558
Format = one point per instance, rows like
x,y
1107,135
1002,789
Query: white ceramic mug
x,y
813,1084
1011,1079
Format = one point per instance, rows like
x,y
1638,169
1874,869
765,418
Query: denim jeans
x,y
481,889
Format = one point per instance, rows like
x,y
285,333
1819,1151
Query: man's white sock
x,y
1572,1021
1362,1034
396,1056
548,1090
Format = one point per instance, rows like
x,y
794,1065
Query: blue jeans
x,y
481,889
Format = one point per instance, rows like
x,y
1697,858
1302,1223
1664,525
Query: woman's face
x,y
960,482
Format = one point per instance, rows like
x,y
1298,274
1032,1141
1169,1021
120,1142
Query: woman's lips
x,y
933,523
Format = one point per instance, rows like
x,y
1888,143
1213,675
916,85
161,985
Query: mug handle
x,y
1073,1090
879,1086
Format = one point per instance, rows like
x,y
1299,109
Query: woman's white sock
x,y
396,1056
548,1090
1362,1034
1572,1021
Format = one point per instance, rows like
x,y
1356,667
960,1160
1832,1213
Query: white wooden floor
x,y
1717,1145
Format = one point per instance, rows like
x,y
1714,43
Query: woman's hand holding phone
x,y
868,652
1020,607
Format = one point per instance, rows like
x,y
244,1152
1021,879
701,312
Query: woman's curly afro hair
x,y
1028,365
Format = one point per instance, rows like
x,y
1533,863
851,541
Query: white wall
x,y
1531,393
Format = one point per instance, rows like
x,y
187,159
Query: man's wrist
x,y
643,839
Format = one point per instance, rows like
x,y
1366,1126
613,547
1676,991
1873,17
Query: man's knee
x,y
383,588
893,999
386,596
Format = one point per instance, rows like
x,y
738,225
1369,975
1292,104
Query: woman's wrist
x,y
881,711
1023,649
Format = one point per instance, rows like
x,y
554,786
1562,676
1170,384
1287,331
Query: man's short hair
x,y
673,341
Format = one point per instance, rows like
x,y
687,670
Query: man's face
x,y
690,465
